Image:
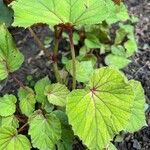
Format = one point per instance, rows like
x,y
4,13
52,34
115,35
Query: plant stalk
x,y
47,53
73,59
18,82
55,55
22,128
40,44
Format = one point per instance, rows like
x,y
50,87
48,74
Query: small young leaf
x,y
137,119
56,94
116,61
40,88
67,134
102,109
10,121
6,14
122,32
45,130
7,105
92,42
10,57
11,140
131,47
76,12
118,50
83,70
27,100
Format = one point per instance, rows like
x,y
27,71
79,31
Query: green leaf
x,y
27,100
102,109
67,134
118,50
90,57
137,119
40,88
122,32
131,47
11,140
6,15
10,121
92,42
45,130
10,57
56,94
118,13
76,12
7,105
116,61
82,71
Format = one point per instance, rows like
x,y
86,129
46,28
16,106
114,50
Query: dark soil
x,y
37,65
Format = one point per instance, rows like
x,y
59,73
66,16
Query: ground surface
x,y
38,66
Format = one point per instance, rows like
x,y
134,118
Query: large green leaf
x,y
83,70
45,130
7,105
56,94
11,140
6,14
10,121
10,57
102,109
137,119
27,100
53,12
40,88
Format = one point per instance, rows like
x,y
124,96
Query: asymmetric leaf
x,y
45,130
10,57
40,88
7,105
27,100
102,109
10,121
11,140
137,119
56,94
53,12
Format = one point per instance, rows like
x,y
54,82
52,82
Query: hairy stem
x,y
22,128
18,82
55,55
73,59
47,53
40,44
